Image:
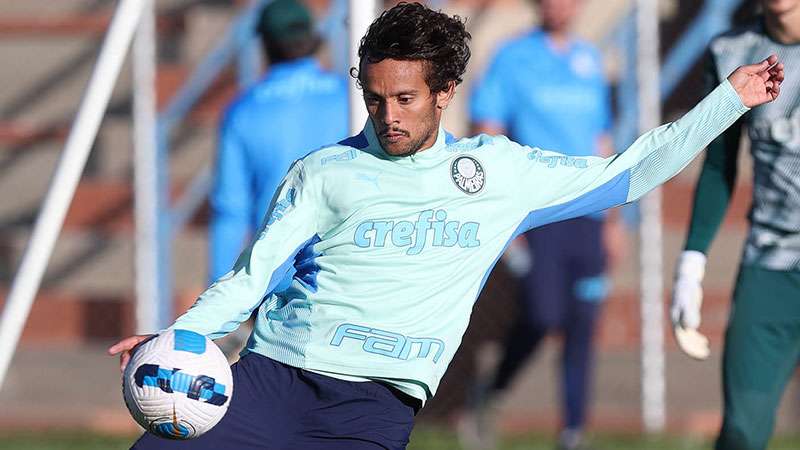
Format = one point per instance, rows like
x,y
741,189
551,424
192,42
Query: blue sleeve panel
x,y
608,195
557,187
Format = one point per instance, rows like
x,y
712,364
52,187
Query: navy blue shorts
x,y
279,407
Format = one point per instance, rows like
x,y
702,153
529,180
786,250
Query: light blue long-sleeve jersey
x,y
391,252
262,133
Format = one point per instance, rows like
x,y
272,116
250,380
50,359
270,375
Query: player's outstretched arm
x,y
232,299
580,186
666,150
289,226
758,83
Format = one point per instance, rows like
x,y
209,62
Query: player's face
x,y
557,14
779,7
401,106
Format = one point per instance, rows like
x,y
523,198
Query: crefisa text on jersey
x,y
415,235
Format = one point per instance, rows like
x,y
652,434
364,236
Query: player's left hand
x,y
124,348
758,83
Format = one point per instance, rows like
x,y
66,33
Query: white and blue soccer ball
x,y
177,385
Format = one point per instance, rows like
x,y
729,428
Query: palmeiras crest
x,y
468,174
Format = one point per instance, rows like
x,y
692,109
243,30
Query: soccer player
x,y
566,106
392,233
762,341
263,132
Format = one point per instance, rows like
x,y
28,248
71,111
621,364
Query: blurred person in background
x,y
547,88
762,340
266,128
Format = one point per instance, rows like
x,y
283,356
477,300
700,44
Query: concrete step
x,y
16,135
106,206
19,134
93,23
45,7
97,264
68,388
43,92
102,206
207,111
64,318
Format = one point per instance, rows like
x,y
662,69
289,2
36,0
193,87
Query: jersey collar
x,y
433,153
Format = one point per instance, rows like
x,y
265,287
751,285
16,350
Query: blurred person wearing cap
x,y
267,128
562,266
762,339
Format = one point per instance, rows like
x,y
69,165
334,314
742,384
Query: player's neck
x,y
559,39
784,28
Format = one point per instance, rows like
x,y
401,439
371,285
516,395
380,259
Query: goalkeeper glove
x,y
687,297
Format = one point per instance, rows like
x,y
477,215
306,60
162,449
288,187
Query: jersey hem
x,y
345,371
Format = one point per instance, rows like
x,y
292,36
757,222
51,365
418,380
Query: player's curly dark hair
x,y
413,32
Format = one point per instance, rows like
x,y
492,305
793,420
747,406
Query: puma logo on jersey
x,y
370,179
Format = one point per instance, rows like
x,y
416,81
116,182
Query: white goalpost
x,y
361,14
650,228
147,190
67,175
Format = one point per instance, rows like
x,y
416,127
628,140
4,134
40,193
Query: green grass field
x,y
422,439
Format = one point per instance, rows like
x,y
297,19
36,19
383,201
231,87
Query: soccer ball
x,y
177,385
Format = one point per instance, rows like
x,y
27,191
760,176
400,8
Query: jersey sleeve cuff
x,y
732,97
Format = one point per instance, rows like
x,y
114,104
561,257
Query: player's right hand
x,y
124,348
687,298
758,83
